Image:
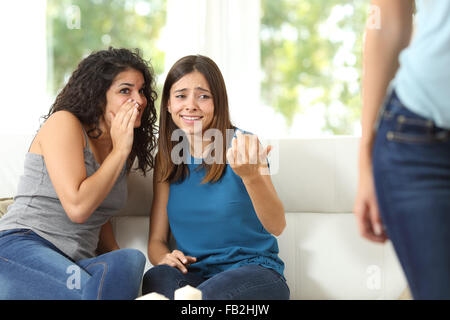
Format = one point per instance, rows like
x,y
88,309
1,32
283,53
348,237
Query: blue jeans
x,y
411,165
33,268
249,282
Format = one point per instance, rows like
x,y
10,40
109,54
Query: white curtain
x,y
23,65
227,31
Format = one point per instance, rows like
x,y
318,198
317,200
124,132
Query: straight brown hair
x,y
166,169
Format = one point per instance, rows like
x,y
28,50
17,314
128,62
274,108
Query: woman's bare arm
x,y
61,145
380,63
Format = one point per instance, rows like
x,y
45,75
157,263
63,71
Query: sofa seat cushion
x,y
4,204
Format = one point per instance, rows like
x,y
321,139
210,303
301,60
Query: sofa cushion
x,y
15,146
315,175
140,194
4,203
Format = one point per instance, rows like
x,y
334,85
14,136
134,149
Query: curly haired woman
x,y
74,181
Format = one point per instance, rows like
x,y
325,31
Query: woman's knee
x,y
121,263
160,272
161,278
247,282
162,269
115,275
129,258
134,256
165,279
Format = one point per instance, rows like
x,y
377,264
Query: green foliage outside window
x,y
75,28
300,43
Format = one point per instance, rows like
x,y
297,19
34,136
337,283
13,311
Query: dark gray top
x,y
37,207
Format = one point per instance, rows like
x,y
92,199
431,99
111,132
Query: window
x,y
292,68
311,61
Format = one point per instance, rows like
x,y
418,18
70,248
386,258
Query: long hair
x,y
84,96
167,170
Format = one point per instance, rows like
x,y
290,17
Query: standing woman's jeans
x,y
33,268
411,163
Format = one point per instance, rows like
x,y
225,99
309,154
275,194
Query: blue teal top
x,y
217,224
422,81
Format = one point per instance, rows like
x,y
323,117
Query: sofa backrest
x,y
13,147
310,175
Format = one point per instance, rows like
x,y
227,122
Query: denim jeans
x,y
411,165
33,268
249,282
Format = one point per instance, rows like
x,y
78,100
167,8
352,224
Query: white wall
x,y
22,65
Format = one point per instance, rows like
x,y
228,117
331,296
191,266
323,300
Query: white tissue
x,y
188,293
153,296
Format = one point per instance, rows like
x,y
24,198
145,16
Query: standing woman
x,y
404,173
74,181
222,216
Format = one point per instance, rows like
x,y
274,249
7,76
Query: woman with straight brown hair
x,y
211,192
221,121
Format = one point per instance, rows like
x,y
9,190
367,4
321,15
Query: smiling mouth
x,y
192,118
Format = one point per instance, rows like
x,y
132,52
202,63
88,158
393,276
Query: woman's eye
x,y
141,91
180,96
204,96
125,90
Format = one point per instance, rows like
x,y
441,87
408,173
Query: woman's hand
x,y
247,157
177,259
122,126
366,207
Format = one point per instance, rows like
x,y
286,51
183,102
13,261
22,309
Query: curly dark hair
x,y
84,96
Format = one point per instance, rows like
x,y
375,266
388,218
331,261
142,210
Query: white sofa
x,y
316,180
